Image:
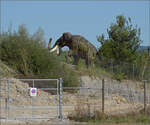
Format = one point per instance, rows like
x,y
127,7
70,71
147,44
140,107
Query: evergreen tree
x,y
122,43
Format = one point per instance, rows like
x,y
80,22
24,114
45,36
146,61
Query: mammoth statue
x,y
78,46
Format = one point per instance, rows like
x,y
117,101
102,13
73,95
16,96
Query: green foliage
x,y
123,41
23,53
131,118
81,65
29,56
119,52
62,56
99,117
141,65
119,76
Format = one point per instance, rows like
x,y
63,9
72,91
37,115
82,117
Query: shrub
x,y
119,76
29,56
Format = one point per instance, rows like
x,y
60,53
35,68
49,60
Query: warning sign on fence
x,y
33,91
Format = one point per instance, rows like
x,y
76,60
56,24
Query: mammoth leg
x,y
68,57
90,58
87,61
90,61
76,59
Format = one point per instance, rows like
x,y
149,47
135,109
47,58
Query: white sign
x,y
33,91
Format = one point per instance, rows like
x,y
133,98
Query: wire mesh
x,y
18,103
119,99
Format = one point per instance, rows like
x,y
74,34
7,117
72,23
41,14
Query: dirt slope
x,y
5,71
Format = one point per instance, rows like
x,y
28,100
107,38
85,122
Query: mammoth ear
x,y
67,36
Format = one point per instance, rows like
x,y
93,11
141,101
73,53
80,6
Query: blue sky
x,y
86,18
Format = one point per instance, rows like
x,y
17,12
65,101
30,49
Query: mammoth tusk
x,y
58,51
55,48
49,44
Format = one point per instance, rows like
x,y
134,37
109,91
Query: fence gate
x,y
30,98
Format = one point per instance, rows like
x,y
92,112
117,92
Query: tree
x,y
122,43
38,36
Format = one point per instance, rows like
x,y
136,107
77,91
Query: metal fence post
x,y
60,98
103,87
149,63
112,65
133,71
0,102
32,97
8,97
5,84
144,96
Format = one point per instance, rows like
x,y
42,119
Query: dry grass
x,y
83,113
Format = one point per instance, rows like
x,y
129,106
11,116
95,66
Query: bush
x,y
29,56
119,76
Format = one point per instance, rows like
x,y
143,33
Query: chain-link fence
x,y
123,70
55,101
18,103
107,96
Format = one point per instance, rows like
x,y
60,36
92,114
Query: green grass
x,y
82,114
92,71
139,118
81,68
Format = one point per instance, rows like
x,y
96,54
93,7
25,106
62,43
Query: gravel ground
x,y
63,122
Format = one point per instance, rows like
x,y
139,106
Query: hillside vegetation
x,y
28,56
119,55
23,55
